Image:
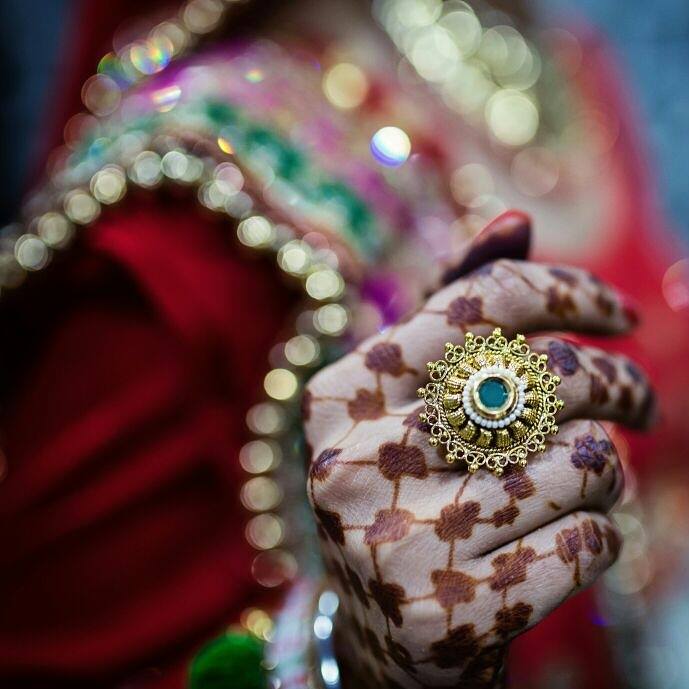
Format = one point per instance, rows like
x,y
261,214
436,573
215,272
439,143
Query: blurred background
x,y
650,44
651,41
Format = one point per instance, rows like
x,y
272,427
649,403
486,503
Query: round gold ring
x,y
490,402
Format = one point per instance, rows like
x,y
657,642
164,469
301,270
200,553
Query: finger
x,y
598,385
539,572
507,236
518,296
580,470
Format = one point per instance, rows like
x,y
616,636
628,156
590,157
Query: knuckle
x,y
592,445
541,342
601,541
446,296
577,276
587,536
325,475
546,343
597,430
601,433
511,283
505,274
634,372
507,265
321,469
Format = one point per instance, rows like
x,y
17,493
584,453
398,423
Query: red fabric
x,y
121,540
132,365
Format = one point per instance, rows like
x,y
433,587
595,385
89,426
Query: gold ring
x,y
490,402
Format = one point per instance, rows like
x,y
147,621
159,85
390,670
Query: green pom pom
x,y
232,661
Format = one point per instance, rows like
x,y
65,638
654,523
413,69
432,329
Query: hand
x,y
438,568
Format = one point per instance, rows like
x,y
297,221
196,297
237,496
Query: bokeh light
x,y
152,55
676,285
512,117
391,146
166,98
259,456
345,86
280,384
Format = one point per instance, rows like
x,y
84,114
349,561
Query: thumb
x,y
507,236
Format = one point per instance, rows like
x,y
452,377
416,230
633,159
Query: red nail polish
x,y
509,222
507,236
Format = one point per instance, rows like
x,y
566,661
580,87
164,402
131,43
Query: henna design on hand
x,y
439,569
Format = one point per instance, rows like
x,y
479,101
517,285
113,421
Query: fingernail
x,y
507,236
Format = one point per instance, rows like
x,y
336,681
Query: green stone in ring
x,y
493,393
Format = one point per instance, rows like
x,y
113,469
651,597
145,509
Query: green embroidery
x,y
255,144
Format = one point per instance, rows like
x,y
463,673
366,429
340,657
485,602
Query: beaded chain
x,y
145,155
